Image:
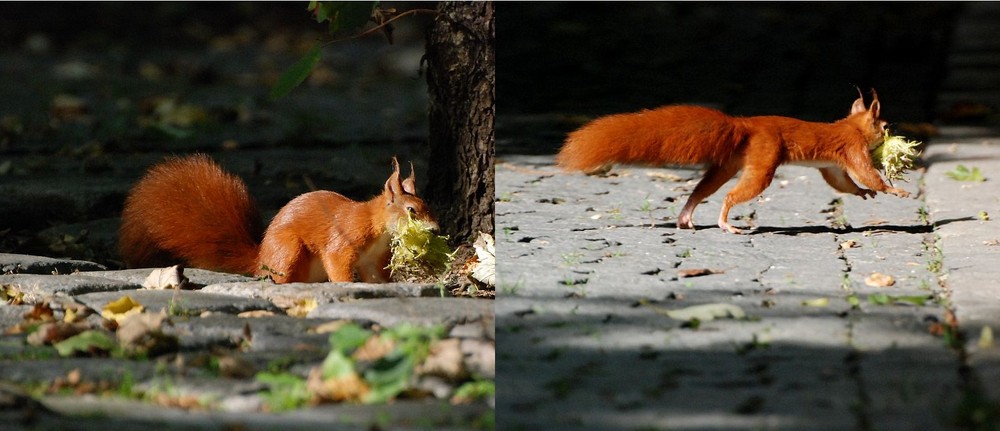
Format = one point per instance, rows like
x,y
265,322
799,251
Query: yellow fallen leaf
x,y
986,338
302,307
818,302
70,315
121,308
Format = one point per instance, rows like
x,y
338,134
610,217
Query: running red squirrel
x,y
688,135
190,210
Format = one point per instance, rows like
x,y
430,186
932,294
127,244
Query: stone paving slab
x,y
20,264
322,292
589,267
231,319
180,302
88,412
199,278
422,312
37,287
970,246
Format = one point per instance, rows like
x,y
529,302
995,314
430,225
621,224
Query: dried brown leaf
x,y
350,387
445,360
54,332
880,280
849,244
236,367
697,272
374,349
166,278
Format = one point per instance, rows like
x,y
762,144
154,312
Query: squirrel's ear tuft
x,y
410,183
874,108
392,185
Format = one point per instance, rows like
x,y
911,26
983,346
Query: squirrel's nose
x,y
433,225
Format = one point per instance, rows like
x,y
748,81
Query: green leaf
x,y
479,389
389,376
172,132
85,341
285,391
343,15
336,365
919,300
962,173
879,299
297,73
348,338
883,299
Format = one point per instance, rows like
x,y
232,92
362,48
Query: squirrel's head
x,y
867,119
402,200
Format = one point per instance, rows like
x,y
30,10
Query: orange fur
x,y
687,135
189,210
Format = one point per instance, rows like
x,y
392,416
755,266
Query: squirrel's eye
x,y
411,210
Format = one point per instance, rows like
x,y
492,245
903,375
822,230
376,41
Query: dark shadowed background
x,y
566,62
94,93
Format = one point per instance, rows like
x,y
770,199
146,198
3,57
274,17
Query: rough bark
x,y
461,79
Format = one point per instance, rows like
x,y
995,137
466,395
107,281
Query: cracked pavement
x,y
589,268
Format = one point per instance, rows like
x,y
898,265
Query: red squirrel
x,y
691,135
190,210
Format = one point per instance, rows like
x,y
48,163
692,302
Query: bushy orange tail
x,y
188,210
670,135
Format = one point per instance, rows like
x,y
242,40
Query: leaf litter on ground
x,y
371,366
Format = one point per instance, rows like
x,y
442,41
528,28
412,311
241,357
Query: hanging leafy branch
x,y
342,16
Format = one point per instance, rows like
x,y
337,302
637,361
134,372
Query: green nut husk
x,y
895,156
418,254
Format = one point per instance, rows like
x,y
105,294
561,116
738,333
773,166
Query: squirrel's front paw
x,y
865,193
898,192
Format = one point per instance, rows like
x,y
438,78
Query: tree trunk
x,y
461,79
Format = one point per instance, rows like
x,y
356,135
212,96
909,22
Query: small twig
x,y
381,26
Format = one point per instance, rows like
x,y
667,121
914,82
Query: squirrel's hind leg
x,y
715,177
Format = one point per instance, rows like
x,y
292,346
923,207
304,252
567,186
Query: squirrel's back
x,y
678,134
190,210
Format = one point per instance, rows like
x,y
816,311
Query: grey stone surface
x,y
321,292
424,311
197,277
181,302
21,264
131,415
589,268
970,245
37,287
233,318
